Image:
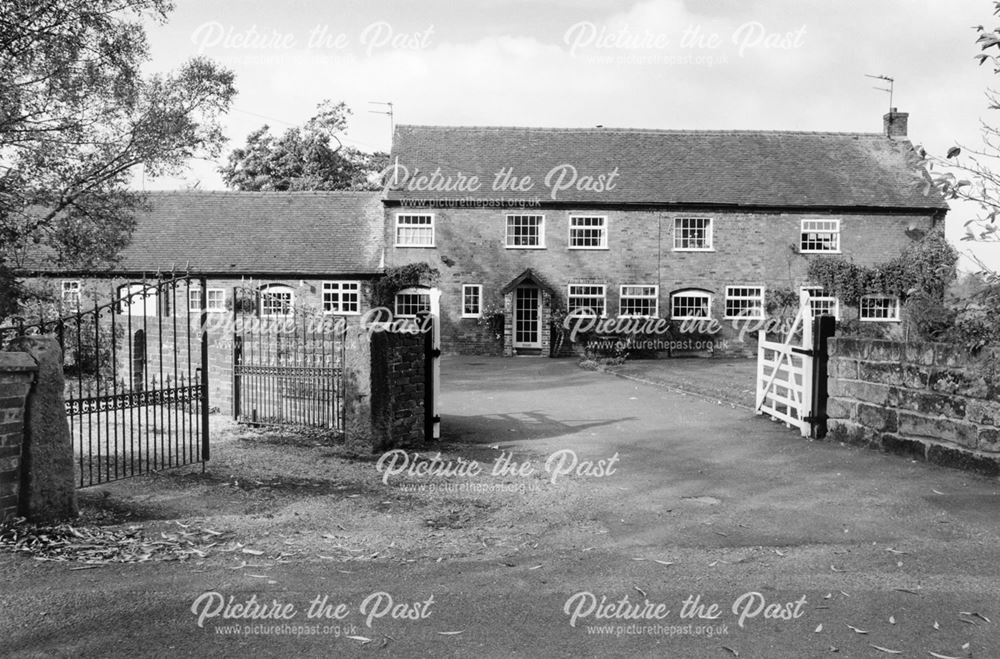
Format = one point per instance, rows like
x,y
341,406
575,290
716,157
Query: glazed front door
x,y
527,317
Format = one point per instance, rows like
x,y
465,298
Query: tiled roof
x,y
249,233
741,168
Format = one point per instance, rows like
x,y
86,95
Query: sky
x,y
674,64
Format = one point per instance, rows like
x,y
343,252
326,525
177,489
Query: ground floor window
x,y
821,304
411,302
639,300
276,300
744,301
215,299
690,304
342,297
586,296
71,295
138,299
472,300
879,307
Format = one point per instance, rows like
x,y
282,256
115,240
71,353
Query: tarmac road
x,y
702,515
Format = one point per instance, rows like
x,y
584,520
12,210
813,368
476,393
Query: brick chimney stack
x,y
894,123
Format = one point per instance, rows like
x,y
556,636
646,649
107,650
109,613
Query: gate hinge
x,y
435,352
436,418
804,351
815,419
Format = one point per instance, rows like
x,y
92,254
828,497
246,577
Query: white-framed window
x,y
821,304
693,234
744,302
215,299
875,308
588,232
820,236
138,299
690,304
525,232
71,294
276,300
411,301
586,296
415,230
472,300
639,300
342,297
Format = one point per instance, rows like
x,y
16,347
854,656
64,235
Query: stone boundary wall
x,y
931,401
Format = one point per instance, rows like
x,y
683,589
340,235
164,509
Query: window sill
x,y
694,249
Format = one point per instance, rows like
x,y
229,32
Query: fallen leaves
x,y
96,546
886,650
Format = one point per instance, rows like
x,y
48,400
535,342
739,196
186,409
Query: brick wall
x,y
931,401
17,372
750,248
397,389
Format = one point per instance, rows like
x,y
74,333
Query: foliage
x,y
926,266
77,117
309,157
492,318
780,301
384,288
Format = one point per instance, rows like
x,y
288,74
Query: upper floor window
x,y
690,304
744,302
821,304
276,300
411,301
820,236
588,232
526,231
879,307
342,297
588,297
415,230
638,300
693,234
71,295
472,300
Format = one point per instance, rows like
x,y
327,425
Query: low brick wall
x,y
934,402
398,386
17,372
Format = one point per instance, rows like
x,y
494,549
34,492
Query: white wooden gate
x,y
785,373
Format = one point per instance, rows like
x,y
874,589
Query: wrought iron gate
x,y
135,360
288,362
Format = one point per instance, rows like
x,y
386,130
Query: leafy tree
x,y
77,117
308,157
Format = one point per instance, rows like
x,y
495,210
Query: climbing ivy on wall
x,y
925,267
396,279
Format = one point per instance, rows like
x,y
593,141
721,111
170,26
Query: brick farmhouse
x,y
623,222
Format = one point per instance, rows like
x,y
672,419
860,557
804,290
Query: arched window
x,y
138,299
276,300
411,301
690,303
